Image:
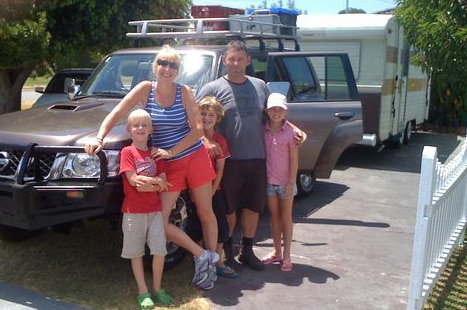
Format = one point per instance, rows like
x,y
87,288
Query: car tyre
x,y
305,183
180,217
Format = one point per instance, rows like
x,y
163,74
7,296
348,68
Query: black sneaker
x,y
248,258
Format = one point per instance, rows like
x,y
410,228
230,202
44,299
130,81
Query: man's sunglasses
x,y
165,63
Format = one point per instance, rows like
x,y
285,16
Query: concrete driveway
x,y
353,238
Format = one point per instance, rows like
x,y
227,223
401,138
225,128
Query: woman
x,y
176,137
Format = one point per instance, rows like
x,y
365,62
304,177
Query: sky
x,y
311,6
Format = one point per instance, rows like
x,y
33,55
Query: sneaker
x,y
206,286
209,283
248,258
203,268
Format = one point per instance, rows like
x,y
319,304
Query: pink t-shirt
x,y
278,145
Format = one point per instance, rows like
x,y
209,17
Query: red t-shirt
x,y
134,159
219,139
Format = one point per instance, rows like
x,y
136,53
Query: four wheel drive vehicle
x,y
55,90
46,179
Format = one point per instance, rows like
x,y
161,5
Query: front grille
x,y
38,164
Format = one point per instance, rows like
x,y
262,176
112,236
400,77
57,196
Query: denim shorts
x,y
273,190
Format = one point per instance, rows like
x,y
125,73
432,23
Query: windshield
x,y
117,74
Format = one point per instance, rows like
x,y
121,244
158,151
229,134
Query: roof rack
x,y
201,28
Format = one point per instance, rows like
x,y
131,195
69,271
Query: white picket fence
x,y
441,220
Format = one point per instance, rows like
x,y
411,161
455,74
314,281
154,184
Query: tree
x,y
438,29
351,11
60,31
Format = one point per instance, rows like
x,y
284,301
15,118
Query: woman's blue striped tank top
x,y
170,124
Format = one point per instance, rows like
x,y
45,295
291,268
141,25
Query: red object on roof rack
x,y
214,11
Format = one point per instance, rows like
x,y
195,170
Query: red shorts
x,y
191,171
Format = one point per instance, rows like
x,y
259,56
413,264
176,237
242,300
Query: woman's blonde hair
x,y
169,54
211,103
139,116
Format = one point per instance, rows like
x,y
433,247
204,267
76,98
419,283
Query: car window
x,y
57,83
332,76
299,73
120,73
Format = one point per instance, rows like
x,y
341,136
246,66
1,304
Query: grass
x,y
450,293
37,81
85,268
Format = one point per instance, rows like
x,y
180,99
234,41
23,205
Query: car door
x,y
323,101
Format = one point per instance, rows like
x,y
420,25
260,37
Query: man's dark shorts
x,y
244,185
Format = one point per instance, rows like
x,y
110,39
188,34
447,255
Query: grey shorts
x,y
140,229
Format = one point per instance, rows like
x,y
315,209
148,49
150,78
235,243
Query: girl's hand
x,y
289,190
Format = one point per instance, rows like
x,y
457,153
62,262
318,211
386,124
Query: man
x,y
244,183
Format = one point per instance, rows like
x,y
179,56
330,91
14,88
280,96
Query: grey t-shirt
x,y
242,125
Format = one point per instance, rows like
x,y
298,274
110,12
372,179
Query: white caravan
x,y
394,92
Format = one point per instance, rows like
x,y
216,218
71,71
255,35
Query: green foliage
x,y
97,27
438,29
24,43
66,33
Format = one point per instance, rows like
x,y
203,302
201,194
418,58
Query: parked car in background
x,y
55,90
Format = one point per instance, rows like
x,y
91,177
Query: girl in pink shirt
x,y
282,166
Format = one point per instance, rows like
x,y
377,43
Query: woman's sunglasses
x,y
165,63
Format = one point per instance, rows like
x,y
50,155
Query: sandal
x,y
226,271
164,298
286,265
270,259
145,301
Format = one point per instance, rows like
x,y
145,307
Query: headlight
x,y
82,165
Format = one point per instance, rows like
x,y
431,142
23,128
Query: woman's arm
x,y
138,94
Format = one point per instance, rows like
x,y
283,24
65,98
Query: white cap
x,y
277,100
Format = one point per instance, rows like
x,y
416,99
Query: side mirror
x,y
70,88
39,89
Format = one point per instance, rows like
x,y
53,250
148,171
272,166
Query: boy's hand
x,y
158,153
212,147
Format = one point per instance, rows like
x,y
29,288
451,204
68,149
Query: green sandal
x,y
145,301
164,298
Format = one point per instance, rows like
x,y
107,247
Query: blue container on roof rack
x,y
287,17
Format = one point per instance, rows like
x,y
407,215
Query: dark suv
x,y
46,179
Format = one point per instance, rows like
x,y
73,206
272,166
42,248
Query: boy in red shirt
x,y
142,210
212,113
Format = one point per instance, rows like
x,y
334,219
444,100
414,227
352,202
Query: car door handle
x,y
344,115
